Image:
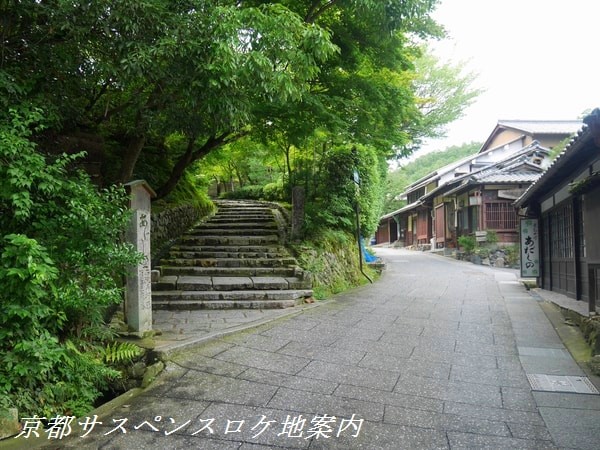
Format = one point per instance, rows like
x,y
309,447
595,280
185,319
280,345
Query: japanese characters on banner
x,y
530,248
320,426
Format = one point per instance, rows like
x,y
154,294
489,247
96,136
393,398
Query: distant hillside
x,y
400,178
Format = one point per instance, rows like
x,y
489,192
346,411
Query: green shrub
x,y
491,237
483,252
61,266
332,258
244,193
512,254
274,191
467,244
186,192
333,204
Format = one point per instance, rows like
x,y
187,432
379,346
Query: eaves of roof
x,y
401,210
535,128
524,166
425,181
508,179
487,171
513,160
491,138
565,162
442,170
444,188
433,176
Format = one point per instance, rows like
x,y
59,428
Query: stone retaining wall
x,y
170,224
590,328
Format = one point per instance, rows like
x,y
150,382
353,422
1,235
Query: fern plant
x,y
118,352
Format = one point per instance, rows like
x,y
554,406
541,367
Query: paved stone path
x,y
432,356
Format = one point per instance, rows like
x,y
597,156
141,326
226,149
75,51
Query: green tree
x,y
135,73
365,93
61,265
240,163
443,92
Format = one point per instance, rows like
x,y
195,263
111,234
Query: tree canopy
x,y
133,74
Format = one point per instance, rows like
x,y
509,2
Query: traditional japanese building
x,y
475,194
483,200
566,202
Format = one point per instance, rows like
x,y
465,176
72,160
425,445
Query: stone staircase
x,y
236,259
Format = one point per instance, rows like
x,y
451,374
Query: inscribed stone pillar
x,y
297,211
138,294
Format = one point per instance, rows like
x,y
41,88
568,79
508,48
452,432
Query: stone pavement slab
x,y
405,363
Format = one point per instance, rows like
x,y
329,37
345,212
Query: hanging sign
x,y
530,248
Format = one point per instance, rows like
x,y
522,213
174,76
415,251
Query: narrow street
x,y
434,355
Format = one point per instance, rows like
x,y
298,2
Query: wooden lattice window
x,y
562,232
581,230
500,216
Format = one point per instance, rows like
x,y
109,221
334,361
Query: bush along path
x,y
235,259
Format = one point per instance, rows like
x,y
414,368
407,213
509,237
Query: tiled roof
x,y
511,166
531,127
512,178
535,128
543,126
566,157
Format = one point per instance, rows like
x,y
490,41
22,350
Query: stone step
x,y
189,305
226,231
233,260
236,218
237,225
241,204
207,283
229,240
169,299
231,248
245,210
230,262
178,254
232,271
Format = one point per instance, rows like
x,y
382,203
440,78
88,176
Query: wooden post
x,y
138,293
593,293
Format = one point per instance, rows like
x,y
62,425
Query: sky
x,y
535,59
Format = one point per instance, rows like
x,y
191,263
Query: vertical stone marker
x,y
138,293
298,201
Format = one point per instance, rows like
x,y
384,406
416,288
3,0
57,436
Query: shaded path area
x,y
433,355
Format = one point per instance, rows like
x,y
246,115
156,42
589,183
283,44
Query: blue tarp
x,y
366,255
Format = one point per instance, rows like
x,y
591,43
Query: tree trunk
x,y
240,177
288,164
192,155
177,172
317,9
136,144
